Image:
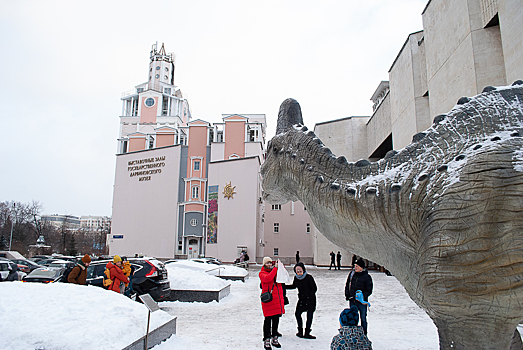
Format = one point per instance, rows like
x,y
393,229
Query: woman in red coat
x,y
272,310
118,278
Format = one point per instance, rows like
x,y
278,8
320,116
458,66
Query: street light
x,y
11,239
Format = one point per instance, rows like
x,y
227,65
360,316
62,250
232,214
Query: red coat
x,y
117,276
275,306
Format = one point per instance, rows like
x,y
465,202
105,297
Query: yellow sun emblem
x,y
228,190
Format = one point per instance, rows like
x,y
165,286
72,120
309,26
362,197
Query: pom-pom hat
x,y
349,317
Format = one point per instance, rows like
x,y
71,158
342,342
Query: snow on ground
x,y
52,316
395,321
190,275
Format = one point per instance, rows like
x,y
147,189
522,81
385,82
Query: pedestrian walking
x,y
359,280
350,336
297,256
78,274
333,263
338,260
306,286
274,308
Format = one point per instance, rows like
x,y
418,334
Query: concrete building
x,y
185,188
58,221
465,45
95,223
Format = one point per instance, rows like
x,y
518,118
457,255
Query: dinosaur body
x,y
444,214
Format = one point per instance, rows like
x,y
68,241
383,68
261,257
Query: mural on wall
x,y
212,219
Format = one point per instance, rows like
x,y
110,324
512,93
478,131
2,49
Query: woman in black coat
x,y
306,299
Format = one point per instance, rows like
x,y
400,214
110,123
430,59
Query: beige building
x,y
465,45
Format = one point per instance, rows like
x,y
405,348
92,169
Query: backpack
x,y
65,276
107,279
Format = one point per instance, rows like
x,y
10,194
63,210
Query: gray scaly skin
x,y
444,214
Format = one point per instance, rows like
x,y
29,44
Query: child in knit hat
x,y
350,336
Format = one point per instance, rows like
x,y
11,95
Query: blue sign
x,y
117,236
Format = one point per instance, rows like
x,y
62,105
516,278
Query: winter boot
x,y
275,342
267,344
300,332
308,334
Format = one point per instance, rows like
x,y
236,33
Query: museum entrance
x,y
192,251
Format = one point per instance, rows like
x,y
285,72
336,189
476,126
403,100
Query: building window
x,y
194,222
308,228
276,252
276,207
196,165
195,192
276,227
157,67
304,208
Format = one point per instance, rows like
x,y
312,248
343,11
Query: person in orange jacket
x,y
272,310
116,275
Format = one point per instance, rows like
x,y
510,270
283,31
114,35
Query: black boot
x,y
308,334
300,332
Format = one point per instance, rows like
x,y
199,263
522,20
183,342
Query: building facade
x,y
465,45
185,188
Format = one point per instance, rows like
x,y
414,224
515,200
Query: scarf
x,y
302,276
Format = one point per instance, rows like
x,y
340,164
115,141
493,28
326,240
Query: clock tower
x,y
161,66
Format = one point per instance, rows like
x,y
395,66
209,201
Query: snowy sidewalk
x,y
395,322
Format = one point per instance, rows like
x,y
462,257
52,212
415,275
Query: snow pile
x,y
69,316
190,275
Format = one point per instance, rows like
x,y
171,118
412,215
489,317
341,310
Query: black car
x,y
45,275
150,276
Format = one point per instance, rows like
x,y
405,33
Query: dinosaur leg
x,y
466,335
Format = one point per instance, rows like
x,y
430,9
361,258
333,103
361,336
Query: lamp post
x,y
11,239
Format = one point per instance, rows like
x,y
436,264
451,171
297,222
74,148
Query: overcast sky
x,y
64,65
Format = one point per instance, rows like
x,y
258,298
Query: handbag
x,y
267,296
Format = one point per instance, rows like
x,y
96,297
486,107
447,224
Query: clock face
x,y
149,102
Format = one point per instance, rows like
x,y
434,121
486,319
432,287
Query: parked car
x,y
28,263
150,276
46,262
45,275
62,264
38,258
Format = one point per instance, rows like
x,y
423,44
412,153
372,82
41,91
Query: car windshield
x,y
48,273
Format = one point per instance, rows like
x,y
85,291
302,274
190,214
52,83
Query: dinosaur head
x,y
277,187
289,115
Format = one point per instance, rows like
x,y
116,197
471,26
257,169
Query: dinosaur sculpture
x,y
444,214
